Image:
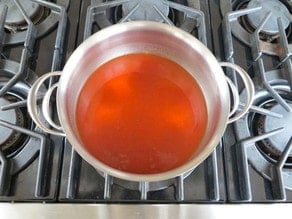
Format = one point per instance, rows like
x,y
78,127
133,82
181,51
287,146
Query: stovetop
x,y
252,162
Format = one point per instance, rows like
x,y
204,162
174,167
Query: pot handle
x,y
32,108
249,91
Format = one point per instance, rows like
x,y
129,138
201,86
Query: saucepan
x,y
153,38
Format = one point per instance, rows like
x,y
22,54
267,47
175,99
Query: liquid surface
x,y
141,113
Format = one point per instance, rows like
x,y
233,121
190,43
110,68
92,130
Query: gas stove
x,y
261,155
76,185
30,159
251,164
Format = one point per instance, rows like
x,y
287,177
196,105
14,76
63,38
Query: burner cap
x,y
14,15
277,8
146,10
15,21
279,141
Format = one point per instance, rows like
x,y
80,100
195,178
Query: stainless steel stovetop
x,y
252,163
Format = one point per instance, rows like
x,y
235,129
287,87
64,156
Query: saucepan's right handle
x,y
249,86
32,105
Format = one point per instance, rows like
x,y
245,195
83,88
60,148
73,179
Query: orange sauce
x,y
141,113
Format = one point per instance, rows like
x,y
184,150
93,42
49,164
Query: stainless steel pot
x,y
136,37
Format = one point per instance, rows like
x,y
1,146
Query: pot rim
x,y
120,28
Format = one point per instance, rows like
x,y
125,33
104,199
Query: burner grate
x,y
272,78
236,22
7,170
82,183
47,18
30,38
194,18
30,172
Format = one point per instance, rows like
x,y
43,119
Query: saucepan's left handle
x,y
249,86
32,105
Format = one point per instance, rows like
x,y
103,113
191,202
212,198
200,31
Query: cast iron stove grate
x,y
258,164
82,183
29,159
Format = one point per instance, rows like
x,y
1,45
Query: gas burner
x,y
44,15
16,144
10,140
277,10
273,146
146,10
15,21
247,15
263,133
252,21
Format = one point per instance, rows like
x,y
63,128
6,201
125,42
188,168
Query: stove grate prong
x,y
254,139
284,155
288,71
95,9
74,175
2,25
179,188
144,188
286,53
263,111
277,97
128,16
5,177
243,172
108,182
278,187
255,38
269,88
19,104
212,175
285,50
195,14
165,18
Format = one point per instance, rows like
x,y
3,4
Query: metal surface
x,y
50,18
145,10
134,37
19,159
160,48
10,116
247,172
14,16
278,11
145,187
258,168
233,25
264,162
126,211
30,169
32,106
188,19
76,185
248,84
80,182
281,140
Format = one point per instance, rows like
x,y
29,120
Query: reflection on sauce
x,y
141,113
